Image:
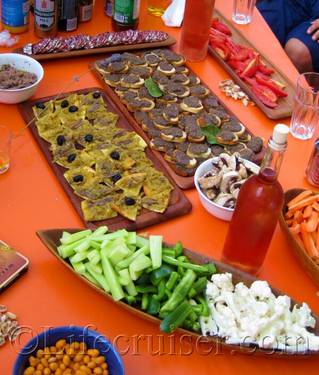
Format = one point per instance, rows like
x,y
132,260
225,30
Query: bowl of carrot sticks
x,y
299,221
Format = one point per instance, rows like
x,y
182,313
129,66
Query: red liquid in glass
x,y
254,221
195,30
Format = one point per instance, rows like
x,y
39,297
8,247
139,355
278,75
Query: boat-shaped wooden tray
x,y
284,108
181,181
179,204
311,267
51,239
96,51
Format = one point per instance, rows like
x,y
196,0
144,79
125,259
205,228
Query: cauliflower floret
x,y
212,291
302,315
223,281
260,290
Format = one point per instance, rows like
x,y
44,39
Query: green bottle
x,y
125,14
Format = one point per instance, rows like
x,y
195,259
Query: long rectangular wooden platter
x,y
178,205
285,105
51,239
184,182
96,51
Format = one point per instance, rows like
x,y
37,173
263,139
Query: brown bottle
x,y
126,14
85,10
45,18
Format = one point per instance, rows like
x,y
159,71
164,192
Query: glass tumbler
x,y
157,7
5,145
243,11
305,115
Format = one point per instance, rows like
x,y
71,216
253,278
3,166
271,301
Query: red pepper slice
x,y
273,87
251,68
265,70
220,48
216,24
239,66
260,93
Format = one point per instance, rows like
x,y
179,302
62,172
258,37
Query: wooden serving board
x,y
51,239
309,264
179,204
285,105
181,181
95,51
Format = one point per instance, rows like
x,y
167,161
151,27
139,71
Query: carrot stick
x,y
307,212
315,206
317,239
308,241
289,215
304,194
312,222
299,240
298,217
305,202
295,229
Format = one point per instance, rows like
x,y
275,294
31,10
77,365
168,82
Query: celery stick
x,y
156,251
83,246
135,274
131,290
100,231
124,277
95,245
79,267
110,277
78,257
75,236
131,238
140,263
117,250
68,250
127,261
90,278
99,278
94,256
142,241
65,237
96,268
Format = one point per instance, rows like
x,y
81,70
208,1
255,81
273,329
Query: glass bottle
x,y
108,7
15,15
68,15
45,18
195,29
85,10
125,14
312,171
257,209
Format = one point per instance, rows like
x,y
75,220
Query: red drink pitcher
x,y
195,30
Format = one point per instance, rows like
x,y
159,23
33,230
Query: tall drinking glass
x,y
5,144
243,11
195,30
157,7
305,115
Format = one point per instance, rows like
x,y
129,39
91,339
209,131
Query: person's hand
x,y
314,30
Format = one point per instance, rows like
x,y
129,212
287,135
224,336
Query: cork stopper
x,y
280,134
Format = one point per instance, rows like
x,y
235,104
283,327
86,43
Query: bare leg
x,y
299,54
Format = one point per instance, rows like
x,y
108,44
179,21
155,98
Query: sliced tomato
x,y
265,70
251,67
220,48
239,66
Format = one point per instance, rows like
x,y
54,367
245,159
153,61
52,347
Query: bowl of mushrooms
x,y
218,181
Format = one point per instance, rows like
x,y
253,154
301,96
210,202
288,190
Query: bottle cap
x,y
280,134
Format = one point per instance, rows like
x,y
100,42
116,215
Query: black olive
x,y
40,105
115,155
73,108
64,104
88,138
60,140
96,95
129,201
116,177
78,178
71,158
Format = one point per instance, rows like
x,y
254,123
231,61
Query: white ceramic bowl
x,y
19,61
214,209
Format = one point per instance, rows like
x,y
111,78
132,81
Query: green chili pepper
x,y
176,317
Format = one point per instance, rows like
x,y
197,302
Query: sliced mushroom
x,y
236,186
227,180
224,160
210,182
242,171
225,200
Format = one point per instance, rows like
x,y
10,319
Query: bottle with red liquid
x,y
195,30
257,209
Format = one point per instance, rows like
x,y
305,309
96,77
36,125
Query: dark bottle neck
x,y
272,160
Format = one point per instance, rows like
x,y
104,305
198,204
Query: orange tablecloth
x,y
49,295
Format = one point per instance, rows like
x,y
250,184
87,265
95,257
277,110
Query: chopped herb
x,y
153,88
